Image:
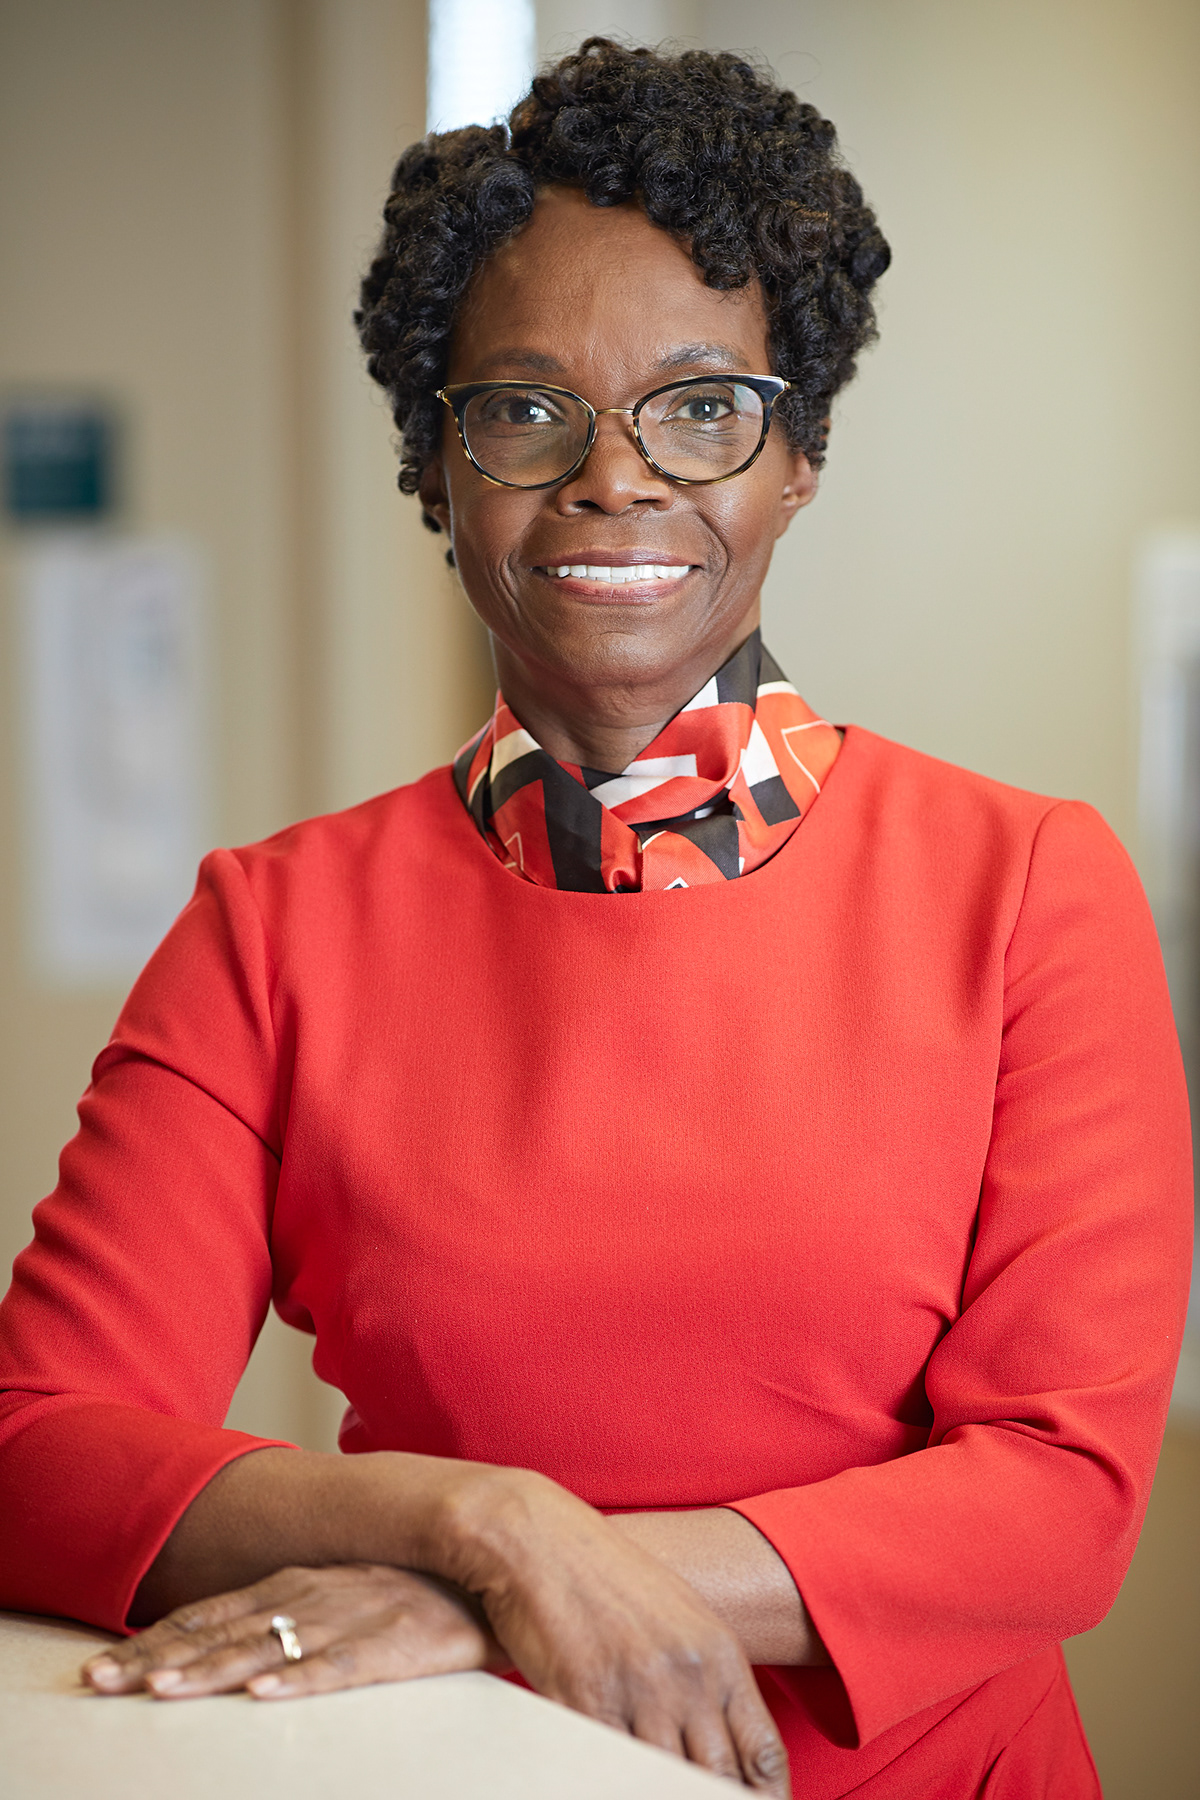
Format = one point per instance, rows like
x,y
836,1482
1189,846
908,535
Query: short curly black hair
x,y
736,167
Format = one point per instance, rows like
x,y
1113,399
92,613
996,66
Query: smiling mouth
x,y
616,574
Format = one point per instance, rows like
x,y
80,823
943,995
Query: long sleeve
x,y
132,1313
1013,1528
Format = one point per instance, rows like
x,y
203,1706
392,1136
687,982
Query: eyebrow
x,y
536,362
725,354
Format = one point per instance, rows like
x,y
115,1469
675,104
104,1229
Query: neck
x,y
603,724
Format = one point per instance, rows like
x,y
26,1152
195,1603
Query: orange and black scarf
x,y
717,794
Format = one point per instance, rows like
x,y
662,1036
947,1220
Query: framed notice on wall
x,y
115,749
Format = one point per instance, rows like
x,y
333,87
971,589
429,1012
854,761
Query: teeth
x,y
619,573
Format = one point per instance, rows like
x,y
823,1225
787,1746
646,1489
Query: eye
x,y
517,409
701,406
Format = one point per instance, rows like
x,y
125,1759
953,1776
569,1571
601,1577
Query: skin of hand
x,y
739,1573
524,1574
357,1623
646,1620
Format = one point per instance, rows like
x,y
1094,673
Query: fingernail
x,y
265,1684
162,1679
103,1669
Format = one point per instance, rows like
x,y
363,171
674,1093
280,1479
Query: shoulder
x,y
393,836
415,808
905,793
301,895
312,904
939,838
891,774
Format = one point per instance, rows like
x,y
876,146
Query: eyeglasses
x,y
521,435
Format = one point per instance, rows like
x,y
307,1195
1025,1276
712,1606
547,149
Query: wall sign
x,y
59,461
116,749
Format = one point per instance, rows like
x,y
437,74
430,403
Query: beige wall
x,y
139,150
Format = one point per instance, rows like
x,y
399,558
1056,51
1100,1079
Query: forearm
x,y
734,1568
585,1612
277,1507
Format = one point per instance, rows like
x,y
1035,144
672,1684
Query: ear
x,y
799,487
432,492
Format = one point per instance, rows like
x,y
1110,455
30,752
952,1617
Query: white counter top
x,y
443,1739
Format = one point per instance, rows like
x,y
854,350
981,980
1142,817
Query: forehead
x,y
599,293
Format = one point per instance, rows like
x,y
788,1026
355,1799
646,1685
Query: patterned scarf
x,y
717,794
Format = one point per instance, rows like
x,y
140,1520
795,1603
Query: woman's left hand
x,y
356,1623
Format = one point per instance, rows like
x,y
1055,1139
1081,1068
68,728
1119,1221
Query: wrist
x,y
468,1523
485,1524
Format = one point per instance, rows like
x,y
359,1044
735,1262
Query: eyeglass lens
x,y
696,432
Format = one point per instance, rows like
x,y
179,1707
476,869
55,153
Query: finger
x,y
365,1658
227,1667
760,1749
124,1667
655,1726
707,1741
110,1673
221,1672
166,1655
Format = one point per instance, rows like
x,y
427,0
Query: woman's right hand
x,y
591,1619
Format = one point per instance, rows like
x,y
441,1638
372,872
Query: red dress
x,y
855,1193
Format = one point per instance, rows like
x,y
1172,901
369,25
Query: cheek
x,y
745,522
489,525
472,513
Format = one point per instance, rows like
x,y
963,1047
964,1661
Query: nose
x,y
615,475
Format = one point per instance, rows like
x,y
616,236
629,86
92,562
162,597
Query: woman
x,y
738,1172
